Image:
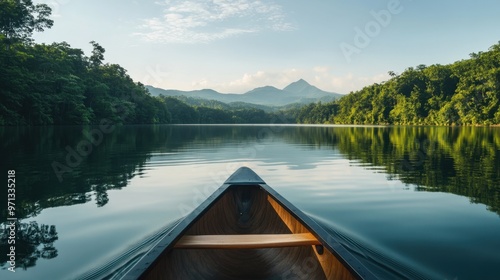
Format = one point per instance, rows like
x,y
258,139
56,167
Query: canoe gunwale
x,y
248,178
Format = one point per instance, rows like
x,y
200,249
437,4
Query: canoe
x,y
246,230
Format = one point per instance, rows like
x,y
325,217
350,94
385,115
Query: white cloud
x,y
202,21
345,83
321,69
201,84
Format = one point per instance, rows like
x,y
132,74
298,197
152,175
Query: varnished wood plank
x,y
246,241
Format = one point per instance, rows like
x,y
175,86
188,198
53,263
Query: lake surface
x,y
409,202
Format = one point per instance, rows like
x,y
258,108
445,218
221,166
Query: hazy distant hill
x,y
297,92
303,89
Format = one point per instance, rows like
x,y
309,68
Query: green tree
x,y
20,18
181,113
466,92
97,54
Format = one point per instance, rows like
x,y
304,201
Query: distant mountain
x,y
303,89
297,92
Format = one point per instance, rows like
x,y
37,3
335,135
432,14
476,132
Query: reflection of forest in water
x,y
463,161
110,165
31,151
33,241
459,160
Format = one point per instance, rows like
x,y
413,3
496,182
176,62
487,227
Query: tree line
x,y
466,92
57,84
44,84
211,112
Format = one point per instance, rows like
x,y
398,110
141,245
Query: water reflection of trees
x,y
121,156
110,165
460,160
463,161
31,150
33,242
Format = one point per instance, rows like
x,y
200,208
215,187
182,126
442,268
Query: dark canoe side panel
x,y
168,242
242,176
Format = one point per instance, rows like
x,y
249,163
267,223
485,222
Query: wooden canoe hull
x,y
246,206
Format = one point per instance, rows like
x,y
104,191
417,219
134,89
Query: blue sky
x,y
236,45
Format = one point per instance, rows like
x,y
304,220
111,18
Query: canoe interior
x,y
247,209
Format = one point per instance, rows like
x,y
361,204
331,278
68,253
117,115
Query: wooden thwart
x,y
246,241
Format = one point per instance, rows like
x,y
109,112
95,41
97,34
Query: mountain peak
x,y
297,92
301,81
298,86
303,89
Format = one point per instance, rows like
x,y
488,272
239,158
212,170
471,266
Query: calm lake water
x,y
410,202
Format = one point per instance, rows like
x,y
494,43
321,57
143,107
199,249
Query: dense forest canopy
x,y
58,84
466,92
44,84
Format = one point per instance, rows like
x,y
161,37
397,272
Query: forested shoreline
x,y
466,92
55,84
